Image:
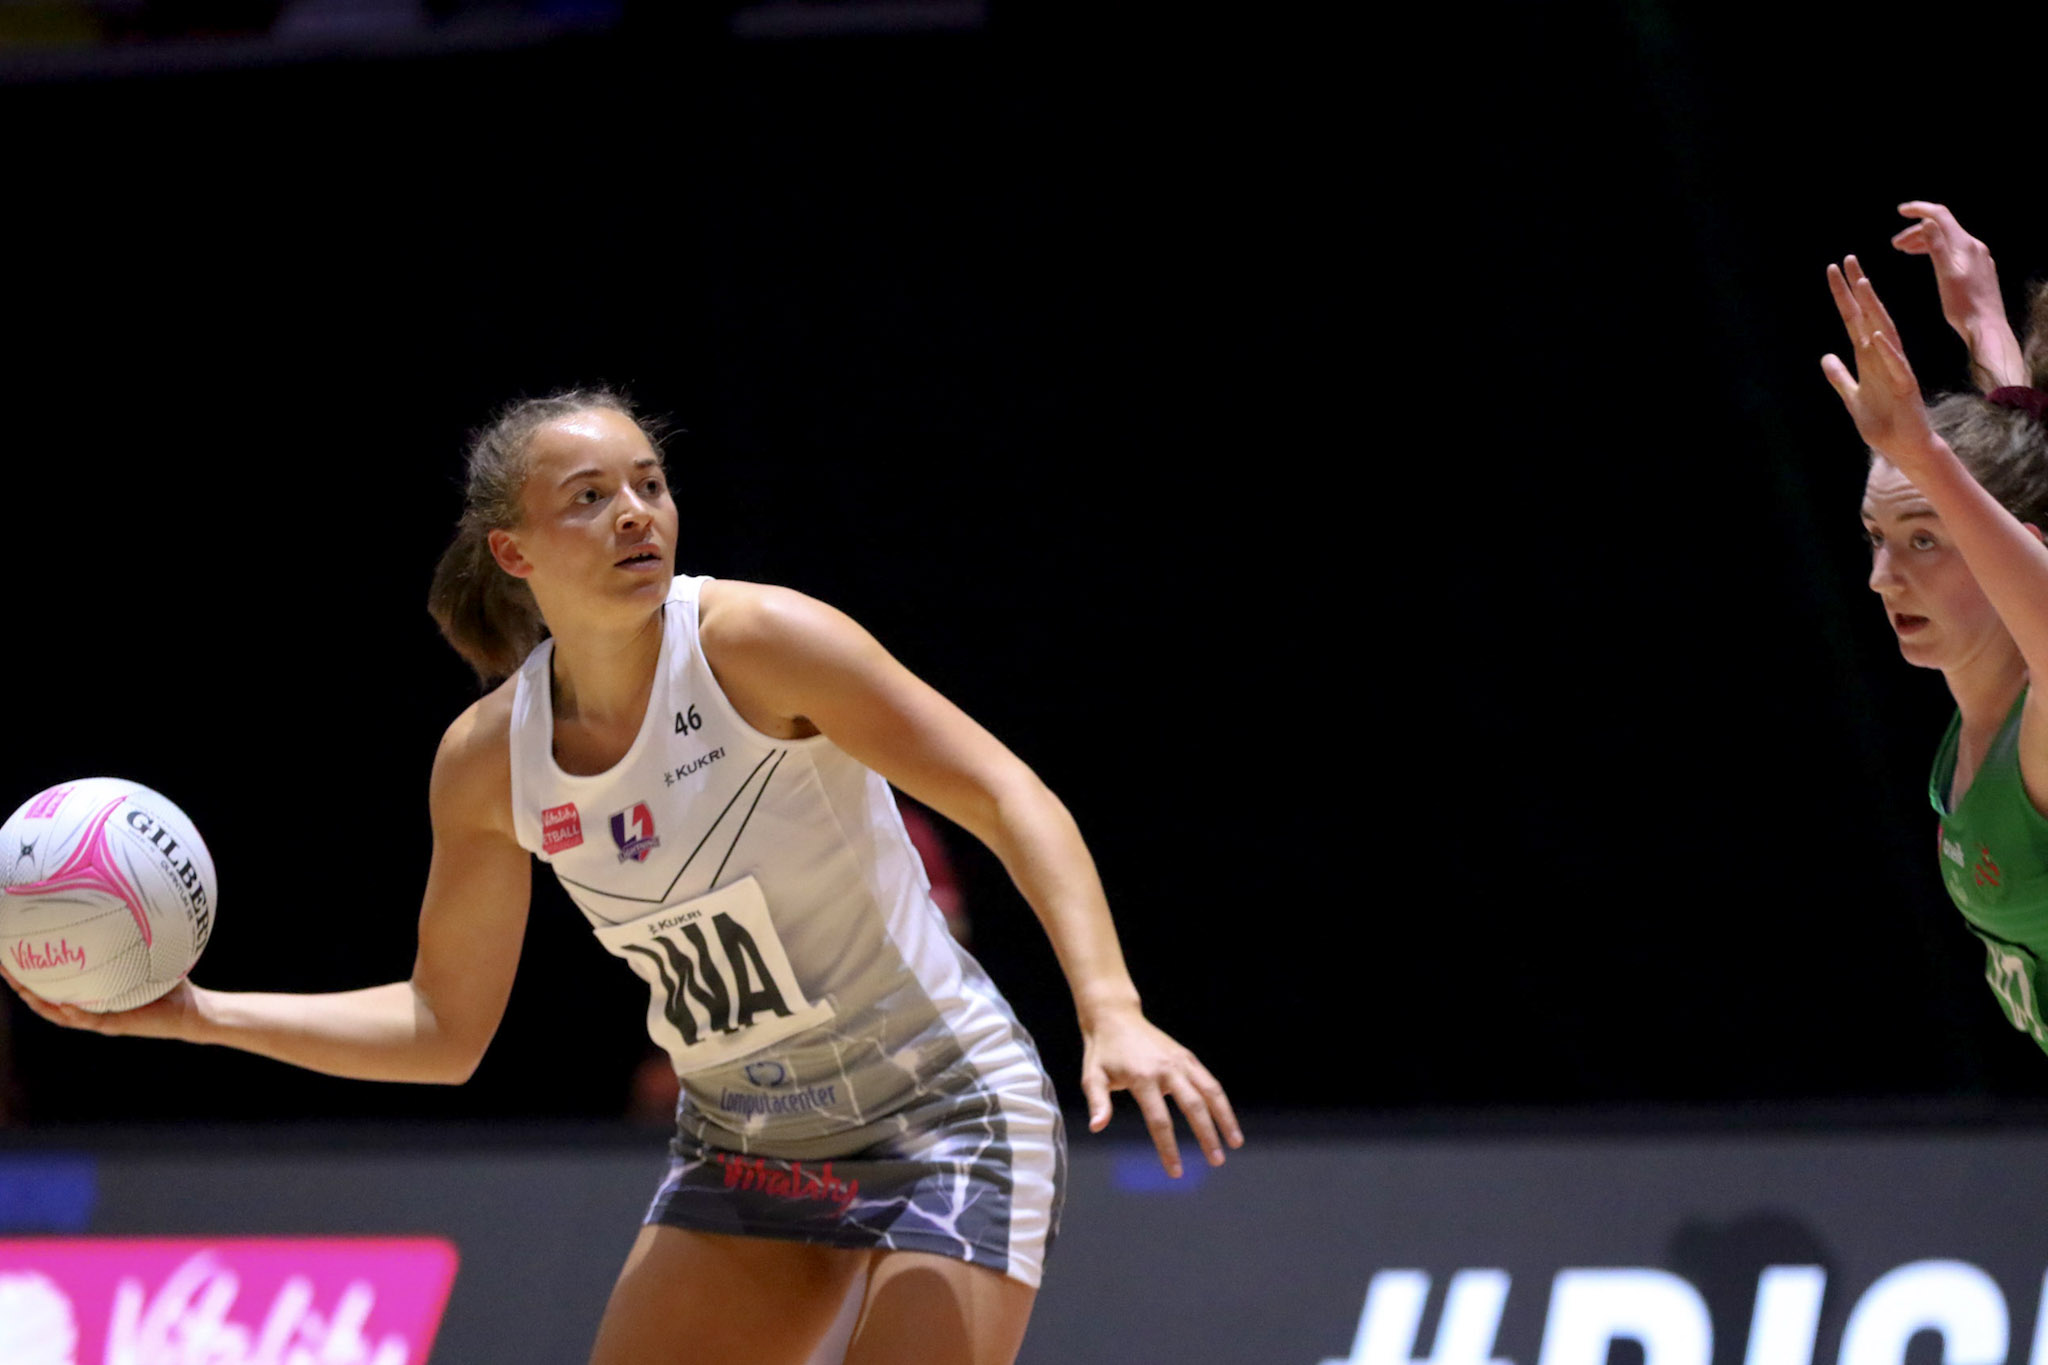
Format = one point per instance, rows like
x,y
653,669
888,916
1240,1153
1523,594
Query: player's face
x,y
1940,615
599,521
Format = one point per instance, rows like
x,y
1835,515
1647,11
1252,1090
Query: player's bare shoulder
x,y
758,623
759,641
472,783
737,615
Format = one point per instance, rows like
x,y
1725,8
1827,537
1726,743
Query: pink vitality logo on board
x,y
250,1301
91,867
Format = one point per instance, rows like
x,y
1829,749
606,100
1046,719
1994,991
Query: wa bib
x,y
719,984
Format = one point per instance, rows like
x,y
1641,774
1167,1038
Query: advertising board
x,y
1841,1247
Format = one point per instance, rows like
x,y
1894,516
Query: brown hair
x,y
2005,448
489,616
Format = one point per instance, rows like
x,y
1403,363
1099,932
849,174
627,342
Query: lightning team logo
x,y
633,832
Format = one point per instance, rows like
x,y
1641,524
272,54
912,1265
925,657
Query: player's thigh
x,y
923,1309
710,1299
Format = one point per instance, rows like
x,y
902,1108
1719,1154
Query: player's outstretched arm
x,y
783,655
1970,299
432,1028
2007,558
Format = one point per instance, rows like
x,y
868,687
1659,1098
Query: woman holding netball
x,y
706,765
1954,506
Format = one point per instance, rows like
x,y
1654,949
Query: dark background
x,y
1382,480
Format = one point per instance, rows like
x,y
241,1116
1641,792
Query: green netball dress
x,y
1994,861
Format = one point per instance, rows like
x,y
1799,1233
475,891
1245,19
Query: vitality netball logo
x,y
247,1301
561,829
633,832
787,1180
27,958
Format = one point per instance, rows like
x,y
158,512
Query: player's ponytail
x,y
489,616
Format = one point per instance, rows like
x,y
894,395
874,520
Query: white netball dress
x,y
850,1075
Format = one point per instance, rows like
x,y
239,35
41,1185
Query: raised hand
x,y
1968,280
1882,396
1124,1051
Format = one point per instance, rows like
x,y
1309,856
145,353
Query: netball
x,y
106,894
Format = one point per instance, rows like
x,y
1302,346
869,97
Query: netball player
x,y
706,766
1954,505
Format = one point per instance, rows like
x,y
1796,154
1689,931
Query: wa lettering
x,y
717,983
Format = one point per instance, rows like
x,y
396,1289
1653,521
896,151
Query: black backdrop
x,y
1382,481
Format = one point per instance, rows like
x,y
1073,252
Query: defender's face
x,y
1940,615
599,522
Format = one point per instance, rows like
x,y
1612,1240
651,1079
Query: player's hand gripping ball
x,y
106,894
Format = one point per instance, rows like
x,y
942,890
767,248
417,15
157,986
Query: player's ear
x,y
2036,532
505,549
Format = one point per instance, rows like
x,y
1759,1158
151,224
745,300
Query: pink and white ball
x,y
106,894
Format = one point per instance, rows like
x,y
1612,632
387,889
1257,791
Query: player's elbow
x,y
460,1056
1021,797
446,1063
451,1048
